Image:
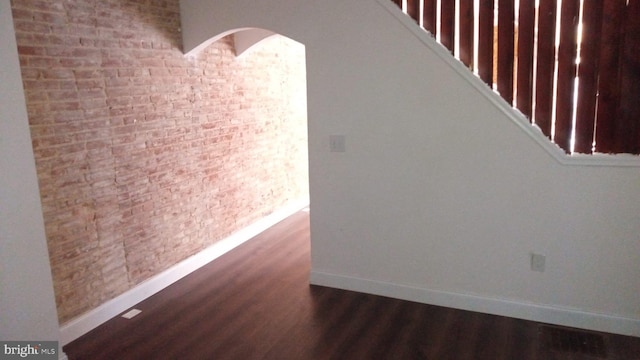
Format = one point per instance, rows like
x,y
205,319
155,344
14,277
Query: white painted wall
x,y
27,305
441,195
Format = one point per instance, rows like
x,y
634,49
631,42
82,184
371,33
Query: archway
x,y
281,79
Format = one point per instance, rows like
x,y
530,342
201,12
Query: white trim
x,y
619,160
92,319
516,309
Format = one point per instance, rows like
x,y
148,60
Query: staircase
x,y
572,67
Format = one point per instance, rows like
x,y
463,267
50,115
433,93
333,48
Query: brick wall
x,y
144,156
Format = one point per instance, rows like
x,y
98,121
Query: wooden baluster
x,y
466,32
413,9
524,88
567,53
609,76
485,41
545,65
447,24
628,134
588,75
505,49
429,16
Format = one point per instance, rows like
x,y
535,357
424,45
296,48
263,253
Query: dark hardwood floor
x,y
255,303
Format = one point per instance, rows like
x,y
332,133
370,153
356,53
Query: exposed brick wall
x,y
144,156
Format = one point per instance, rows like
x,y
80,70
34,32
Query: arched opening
x,y
246,40
271,111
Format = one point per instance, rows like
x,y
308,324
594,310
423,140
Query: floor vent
x,y
574,341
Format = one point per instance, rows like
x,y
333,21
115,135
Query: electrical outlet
x,y
537,262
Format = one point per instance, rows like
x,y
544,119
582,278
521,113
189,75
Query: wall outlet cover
x,y
131,313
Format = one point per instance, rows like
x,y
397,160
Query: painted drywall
x,y
27,306
440,189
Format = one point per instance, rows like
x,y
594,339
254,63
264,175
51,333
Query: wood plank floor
x,y
255,303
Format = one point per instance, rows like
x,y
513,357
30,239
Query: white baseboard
x,y
520,310
92,319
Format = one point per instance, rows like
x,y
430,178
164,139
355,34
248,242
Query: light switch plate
x,y
537,262
337,143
